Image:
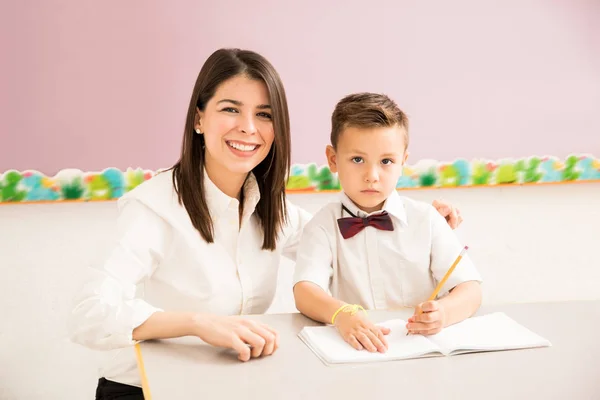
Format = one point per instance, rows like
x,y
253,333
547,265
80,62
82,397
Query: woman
x,y
204,238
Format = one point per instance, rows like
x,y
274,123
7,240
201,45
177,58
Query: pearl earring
x,y
198,131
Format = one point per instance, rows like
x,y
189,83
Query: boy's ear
x,y
405,157
331,158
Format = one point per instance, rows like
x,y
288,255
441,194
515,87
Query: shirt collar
x,y
393,205
218,202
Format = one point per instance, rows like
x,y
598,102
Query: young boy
x,y
394,259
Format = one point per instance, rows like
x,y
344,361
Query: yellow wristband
x,y
350,308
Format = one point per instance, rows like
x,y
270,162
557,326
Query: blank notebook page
x,y
494,331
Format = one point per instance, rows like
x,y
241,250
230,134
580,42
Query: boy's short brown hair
x,y
367,110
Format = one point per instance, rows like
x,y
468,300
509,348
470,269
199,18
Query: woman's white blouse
x,y
161,262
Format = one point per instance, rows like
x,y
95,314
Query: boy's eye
x,y
387,161
265,115
357,160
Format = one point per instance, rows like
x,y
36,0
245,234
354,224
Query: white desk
x,y
185,368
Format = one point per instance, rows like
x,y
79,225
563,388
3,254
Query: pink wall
x,y
92,84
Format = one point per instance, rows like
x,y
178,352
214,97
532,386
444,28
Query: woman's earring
x,y
198,131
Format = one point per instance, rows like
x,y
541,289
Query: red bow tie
x,y
350,226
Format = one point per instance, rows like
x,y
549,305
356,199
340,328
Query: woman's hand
x,y
451,214
250,339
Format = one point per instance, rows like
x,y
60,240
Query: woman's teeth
x,y
242,147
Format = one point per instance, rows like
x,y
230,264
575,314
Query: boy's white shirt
x,y
159,248
382,269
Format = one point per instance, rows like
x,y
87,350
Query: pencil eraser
x,y
466,247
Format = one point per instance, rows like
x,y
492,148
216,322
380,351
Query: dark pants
x,y
109,390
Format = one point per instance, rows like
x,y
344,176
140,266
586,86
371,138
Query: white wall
x,y
530,243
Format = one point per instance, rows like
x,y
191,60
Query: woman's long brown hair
x,y
271,173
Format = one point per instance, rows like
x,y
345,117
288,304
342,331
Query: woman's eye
x,y
357,160
230,109
265,115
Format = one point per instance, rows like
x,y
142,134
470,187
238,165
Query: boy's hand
x,y
451,214
428,319
361,333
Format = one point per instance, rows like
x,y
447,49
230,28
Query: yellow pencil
x,y
140,362
445,278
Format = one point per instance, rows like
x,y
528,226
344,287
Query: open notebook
x,y
492,332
